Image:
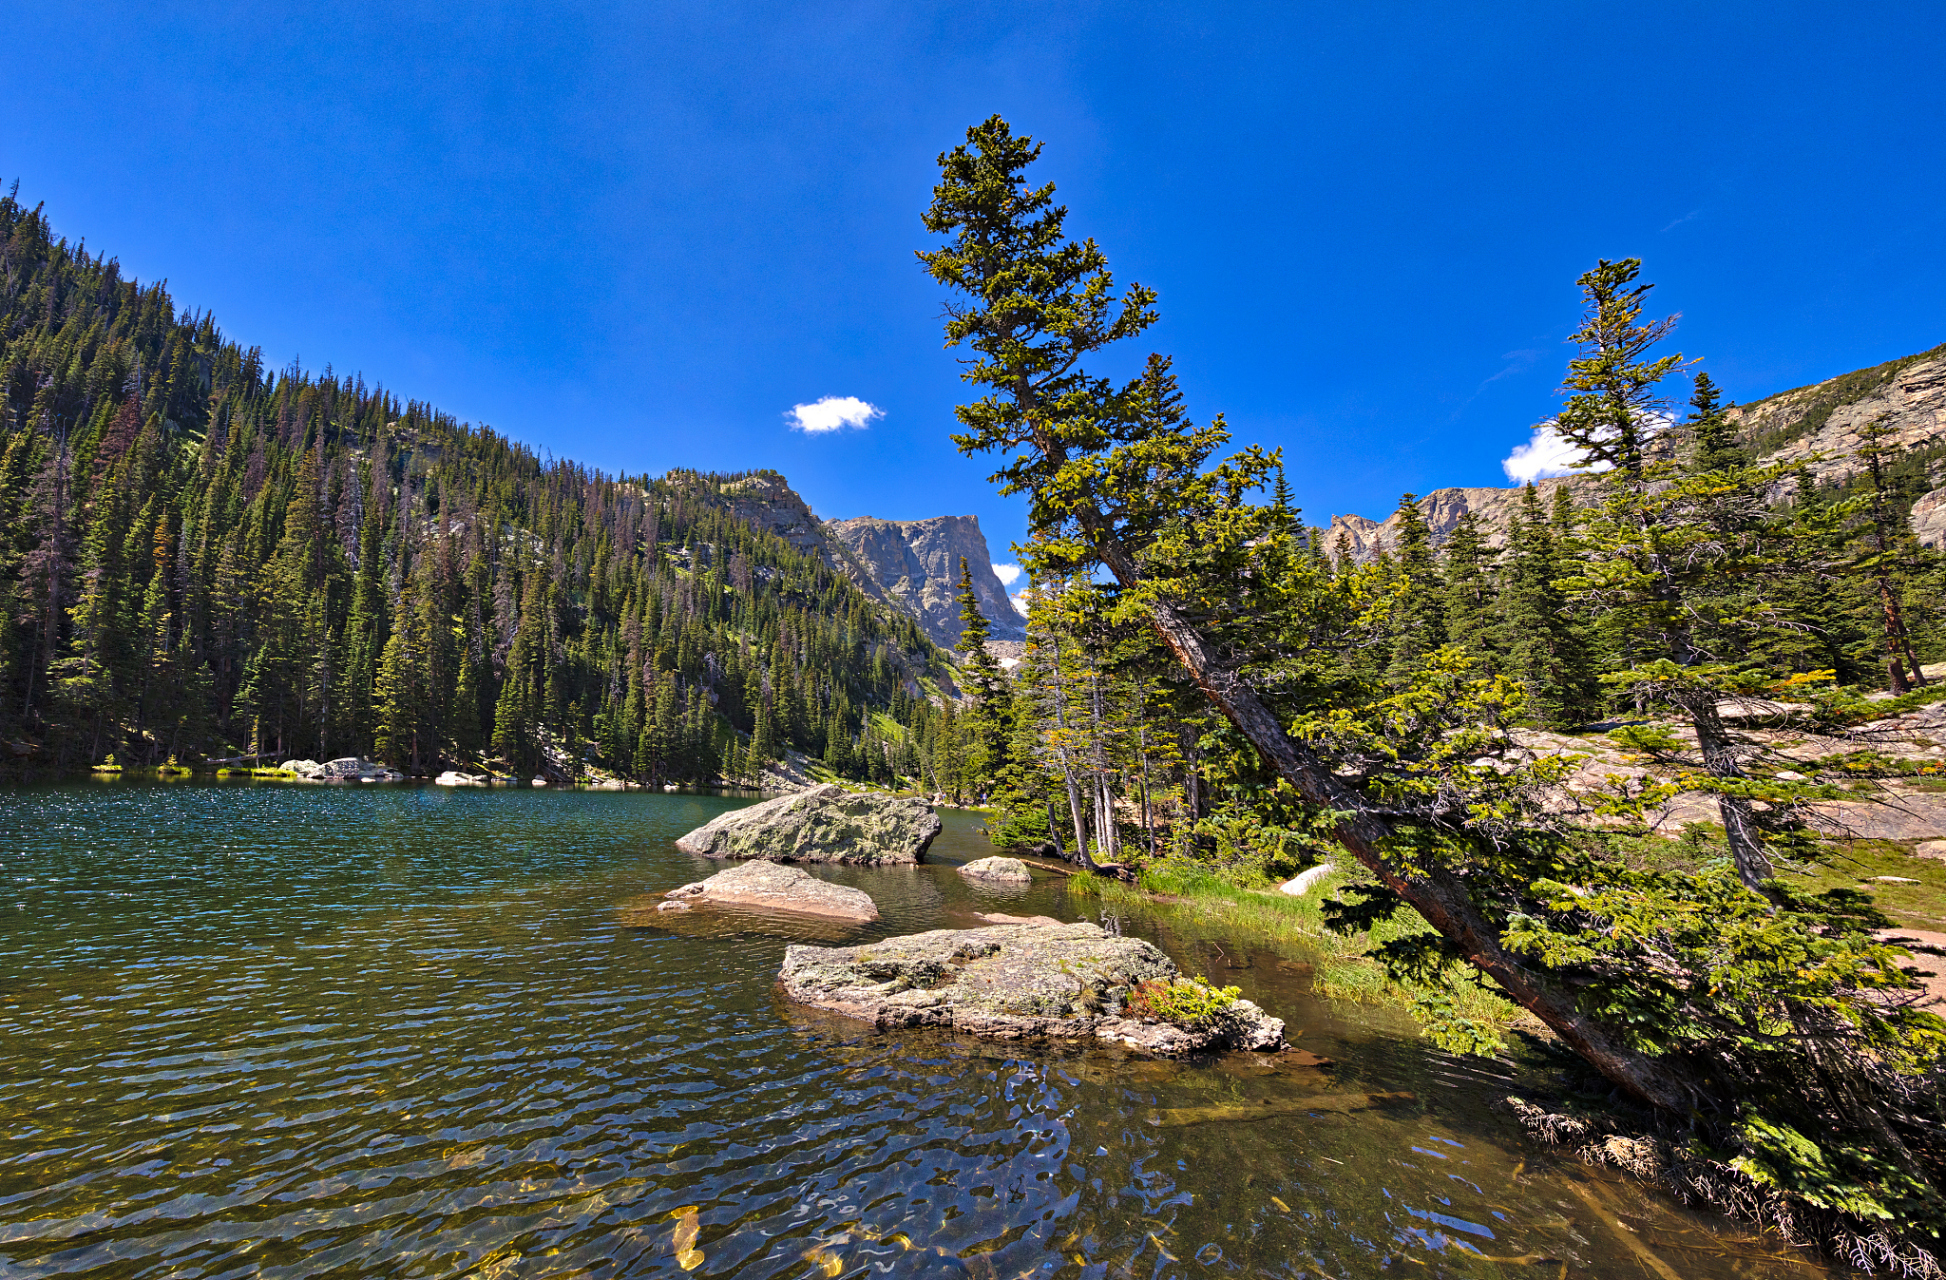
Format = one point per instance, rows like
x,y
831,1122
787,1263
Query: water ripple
x,y
389,1032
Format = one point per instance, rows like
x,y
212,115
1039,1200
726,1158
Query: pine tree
x,y
517,717
1418,614
1542,649
1469,598
986,730
1885,552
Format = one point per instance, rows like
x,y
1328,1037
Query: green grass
x,y
1196,897
1852,864
1838,864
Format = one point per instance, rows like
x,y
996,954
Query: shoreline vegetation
x,y
1420,713
1195,897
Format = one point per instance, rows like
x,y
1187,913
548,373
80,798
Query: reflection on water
x,y
401,1032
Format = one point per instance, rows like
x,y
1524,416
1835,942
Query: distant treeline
x,y
201,558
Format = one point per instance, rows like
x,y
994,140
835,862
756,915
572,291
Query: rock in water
x,y
1007,869
767,886
824,824
1014,982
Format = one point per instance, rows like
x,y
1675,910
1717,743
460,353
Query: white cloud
x,y
1547,454
832,413
1020,603
1006,573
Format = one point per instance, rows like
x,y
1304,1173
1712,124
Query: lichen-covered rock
x,y
1014,982
1006,870
344,769
769,886
823,824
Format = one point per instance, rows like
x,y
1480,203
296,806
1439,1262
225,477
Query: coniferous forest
x,y
1213,697
202,559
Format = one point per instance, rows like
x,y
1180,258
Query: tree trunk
x,y
1898,644
1720,761
1439,896
1067,767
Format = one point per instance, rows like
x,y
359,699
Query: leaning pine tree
x,y
1764,1031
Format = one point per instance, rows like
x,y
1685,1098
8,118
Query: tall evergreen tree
x,y
1419,614
1542,648
1470,598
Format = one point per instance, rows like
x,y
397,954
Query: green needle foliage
x,y
202,559
1369,711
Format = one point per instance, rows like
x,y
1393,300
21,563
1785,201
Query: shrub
x,y
1186,1002
1648,739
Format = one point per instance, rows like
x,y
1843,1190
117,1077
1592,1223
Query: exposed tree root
x,y
1657,1155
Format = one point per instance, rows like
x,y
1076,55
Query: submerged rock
x,y
768,886
1014,982
1012,870
823,824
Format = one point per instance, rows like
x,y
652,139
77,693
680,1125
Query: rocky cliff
x,y
912,565
915,564
1818,424
1824,419
1443,509
767,501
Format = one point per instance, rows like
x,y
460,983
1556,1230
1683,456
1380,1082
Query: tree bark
x,y
1720,761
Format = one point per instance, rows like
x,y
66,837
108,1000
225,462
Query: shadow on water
x,y
405,1032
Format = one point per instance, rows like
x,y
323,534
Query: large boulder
x,y
823,824
344,769
1003,870
767,886
1015,982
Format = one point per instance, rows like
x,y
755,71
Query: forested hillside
x,y
1212,693
202,558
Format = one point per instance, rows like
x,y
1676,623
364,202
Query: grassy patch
x,y
1197,899
1838,864
1855,864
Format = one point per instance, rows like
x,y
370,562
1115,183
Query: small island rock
x,y
343,769
768,886
1010,870
1014,982
823,824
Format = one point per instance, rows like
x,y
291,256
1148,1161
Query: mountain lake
x,y
400,1031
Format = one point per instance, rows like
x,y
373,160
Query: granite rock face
x,y
1443,508
1004,870
1908,395
767,501
768,886
914,564
1821,421
1014,982
821,824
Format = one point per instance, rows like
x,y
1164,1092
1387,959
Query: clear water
x,y
296,1031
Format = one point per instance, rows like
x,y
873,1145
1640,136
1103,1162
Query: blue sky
x,y
639,235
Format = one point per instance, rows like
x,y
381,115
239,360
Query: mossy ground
x,y
1197,899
